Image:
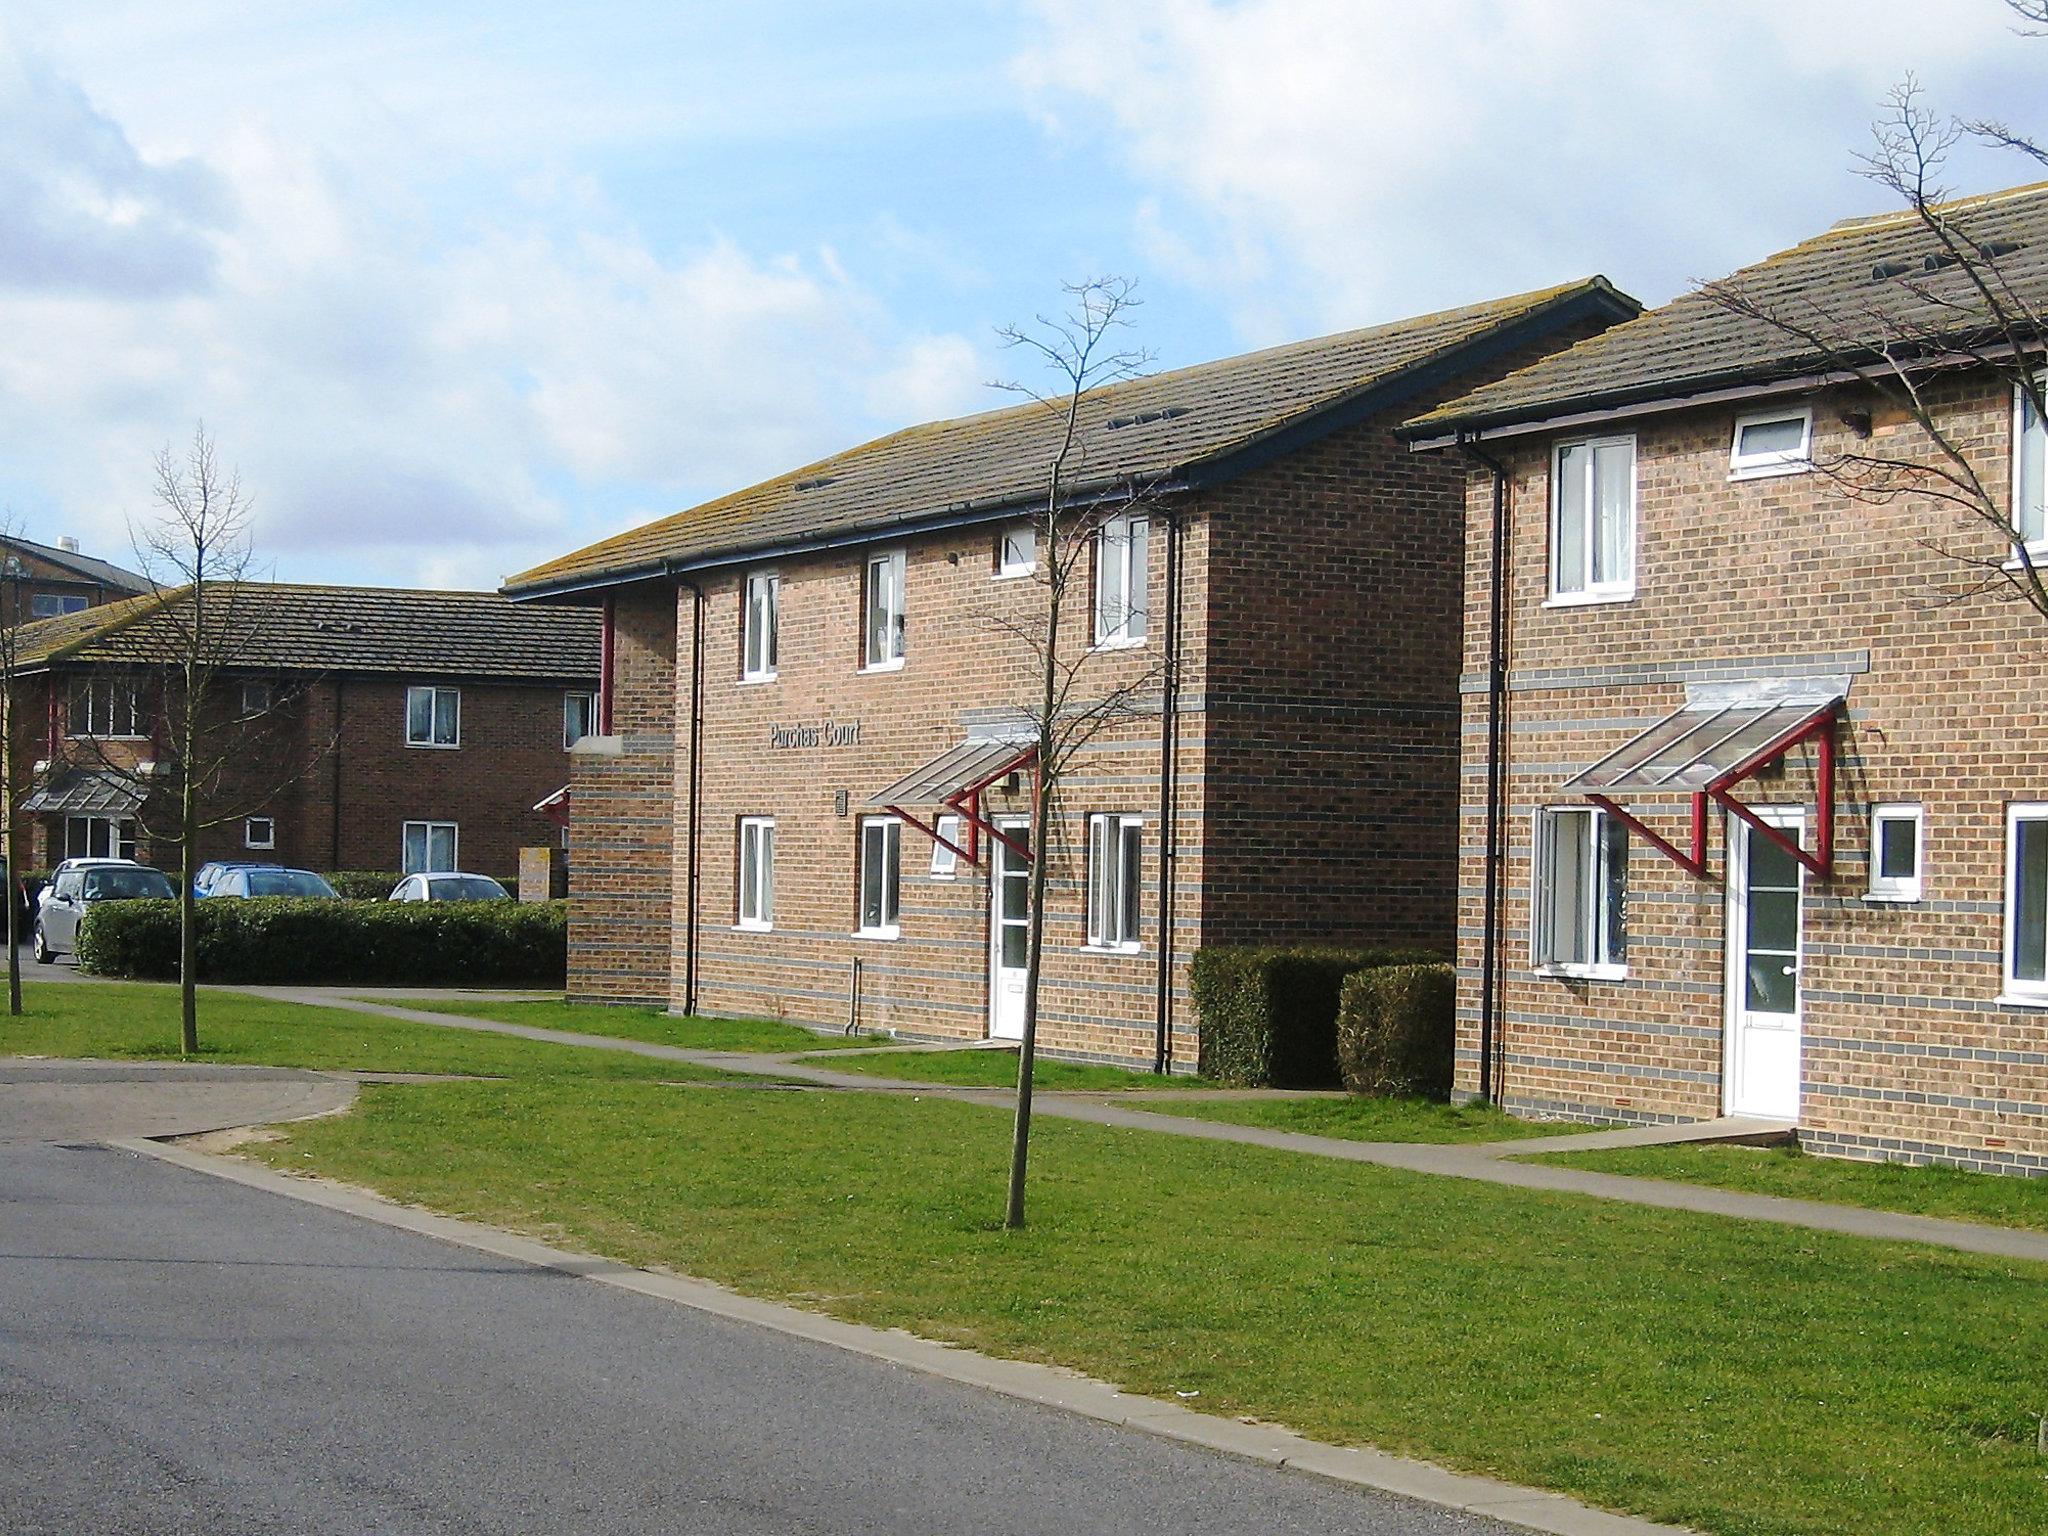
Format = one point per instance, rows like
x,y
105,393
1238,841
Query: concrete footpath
x,y
1489,1163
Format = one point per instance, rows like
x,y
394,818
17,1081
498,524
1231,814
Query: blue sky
x,y
462,286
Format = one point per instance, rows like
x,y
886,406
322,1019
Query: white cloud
x,y
1337,161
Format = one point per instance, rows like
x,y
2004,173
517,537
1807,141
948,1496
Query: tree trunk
x,y
188,929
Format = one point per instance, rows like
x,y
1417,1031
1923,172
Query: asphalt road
x,y
180,1354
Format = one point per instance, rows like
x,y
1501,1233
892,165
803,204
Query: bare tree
x,y
1080,351
1960,308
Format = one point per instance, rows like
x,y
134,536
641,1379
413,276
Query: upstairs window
x,y
50,605
106,706
757,873
256,698
1121,579
1772,443
1593,521
579,717
433,717
2026,903
1580,896
881,852
2030,476
1115,853
1017,549
761,616
1895,852
883,615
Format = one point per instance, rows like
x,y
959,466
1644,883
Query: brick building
x,y
809,789
1725,678
381,729
45,581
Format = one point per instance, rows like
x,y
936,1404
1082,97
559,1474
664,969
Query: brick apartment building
x,y
383,729
45,581
1772,830
809,679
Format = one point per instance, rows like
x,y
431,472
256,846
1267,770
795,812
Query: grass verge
x,y
636,1023
1736,1377
1950,1192
134,1021
995,1067
1355,1118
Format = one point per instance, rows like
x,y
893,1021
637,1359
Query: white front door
x,y
1009,933
1760,1074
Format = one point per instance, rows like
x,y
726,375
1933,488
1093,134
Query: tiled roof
x,y
105,572
1157,428
1862,278
285,627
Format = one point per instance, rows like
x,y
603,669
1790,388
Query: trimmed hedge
x,y
1397,1031
283,940
1269,1015
363,884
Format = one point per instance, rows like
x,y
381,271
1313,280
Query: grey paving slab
x,y
73,1101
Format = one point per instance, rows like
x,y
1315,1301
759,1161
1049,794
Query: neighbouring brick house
x,y
809,679
383,728
45,581
1700,625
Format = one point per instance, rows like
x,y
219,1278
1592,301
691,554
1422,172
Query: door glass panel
x,y
1016,946
1773,983
2030,902
1774,921
1771,958
1016,894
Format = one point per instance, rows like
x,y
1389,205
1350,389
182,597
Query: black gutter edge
x,y
1496,703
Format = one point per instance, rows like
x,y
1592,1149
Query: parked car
x,y
449,885
81,885
271,880
209,873
50,885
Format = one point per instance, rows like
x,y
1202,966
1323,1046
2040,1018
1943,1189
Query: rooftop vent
x,y
1146,418
813,483
68,544
338,626
1991,250
1935,261
1889,268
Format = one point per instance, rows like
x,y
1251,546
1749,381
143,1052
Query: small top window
x,y
1593,521
2029,475
1017,549
1772,443
255,698
1895,852
882,641
760,618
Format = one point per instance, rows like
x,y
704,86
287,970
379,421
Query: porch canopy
x,y
81,792
952,783
1723,734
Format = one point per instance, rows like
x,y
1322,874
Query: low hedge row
x,y
1397,1031
283,940
1269,1015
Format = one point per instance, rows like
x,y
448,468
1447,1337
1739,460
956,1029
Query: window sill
x,y
1771,471
2037,557
748,679
1018,574
435,746
2021,1000
886,934
106,736
753,927
1127,643
1112,949
1589,599
1893,898
1582,972
883,666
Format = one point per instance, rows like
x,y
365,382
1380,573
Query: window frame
x,y
1112,888
945,862
67,603
92,687
1899,888
2032,551
249,838
2026,992
569,698
1764,466
894,561
768,670
890,906
1007,569
264,691
122,841
436,690
762,918
1134,575
1621,590
454,830
1596,920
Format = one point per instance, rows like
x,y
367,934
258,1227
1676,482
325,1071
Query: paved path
x,y
1487,1164
181,1354
75,1101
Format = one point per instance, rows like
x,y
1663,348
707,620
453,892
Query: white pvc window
x,y
1580,894
2026,902
106,706
760,621
2029,475
882,613
579,717
1896,839
1121,579
256,698
429,848
757,873
99,837
1772,443
945,862
1017,549
259,832
50,605
881,868
1593,521
1115,861
433,717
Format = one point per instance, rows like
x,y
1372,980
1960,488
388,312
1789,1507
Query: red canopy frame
x,y
966,803
1819,729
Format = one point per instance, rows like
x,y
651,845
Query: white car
x,y
50,885
81,884
449,885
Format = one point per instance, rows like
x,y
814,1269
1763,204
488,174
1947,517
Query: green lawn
x,y
996,1067
1951,1192
133,1020
1737,1377
1361,1119
636,1023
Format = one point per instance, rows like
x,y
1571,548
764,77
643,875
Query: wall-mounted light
x,y
1858,422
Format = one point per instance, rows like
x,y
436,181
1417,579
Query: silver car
x,y
77,889
448,885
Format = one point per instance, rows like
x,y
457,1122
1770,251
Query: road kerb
x,y
1049,1386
